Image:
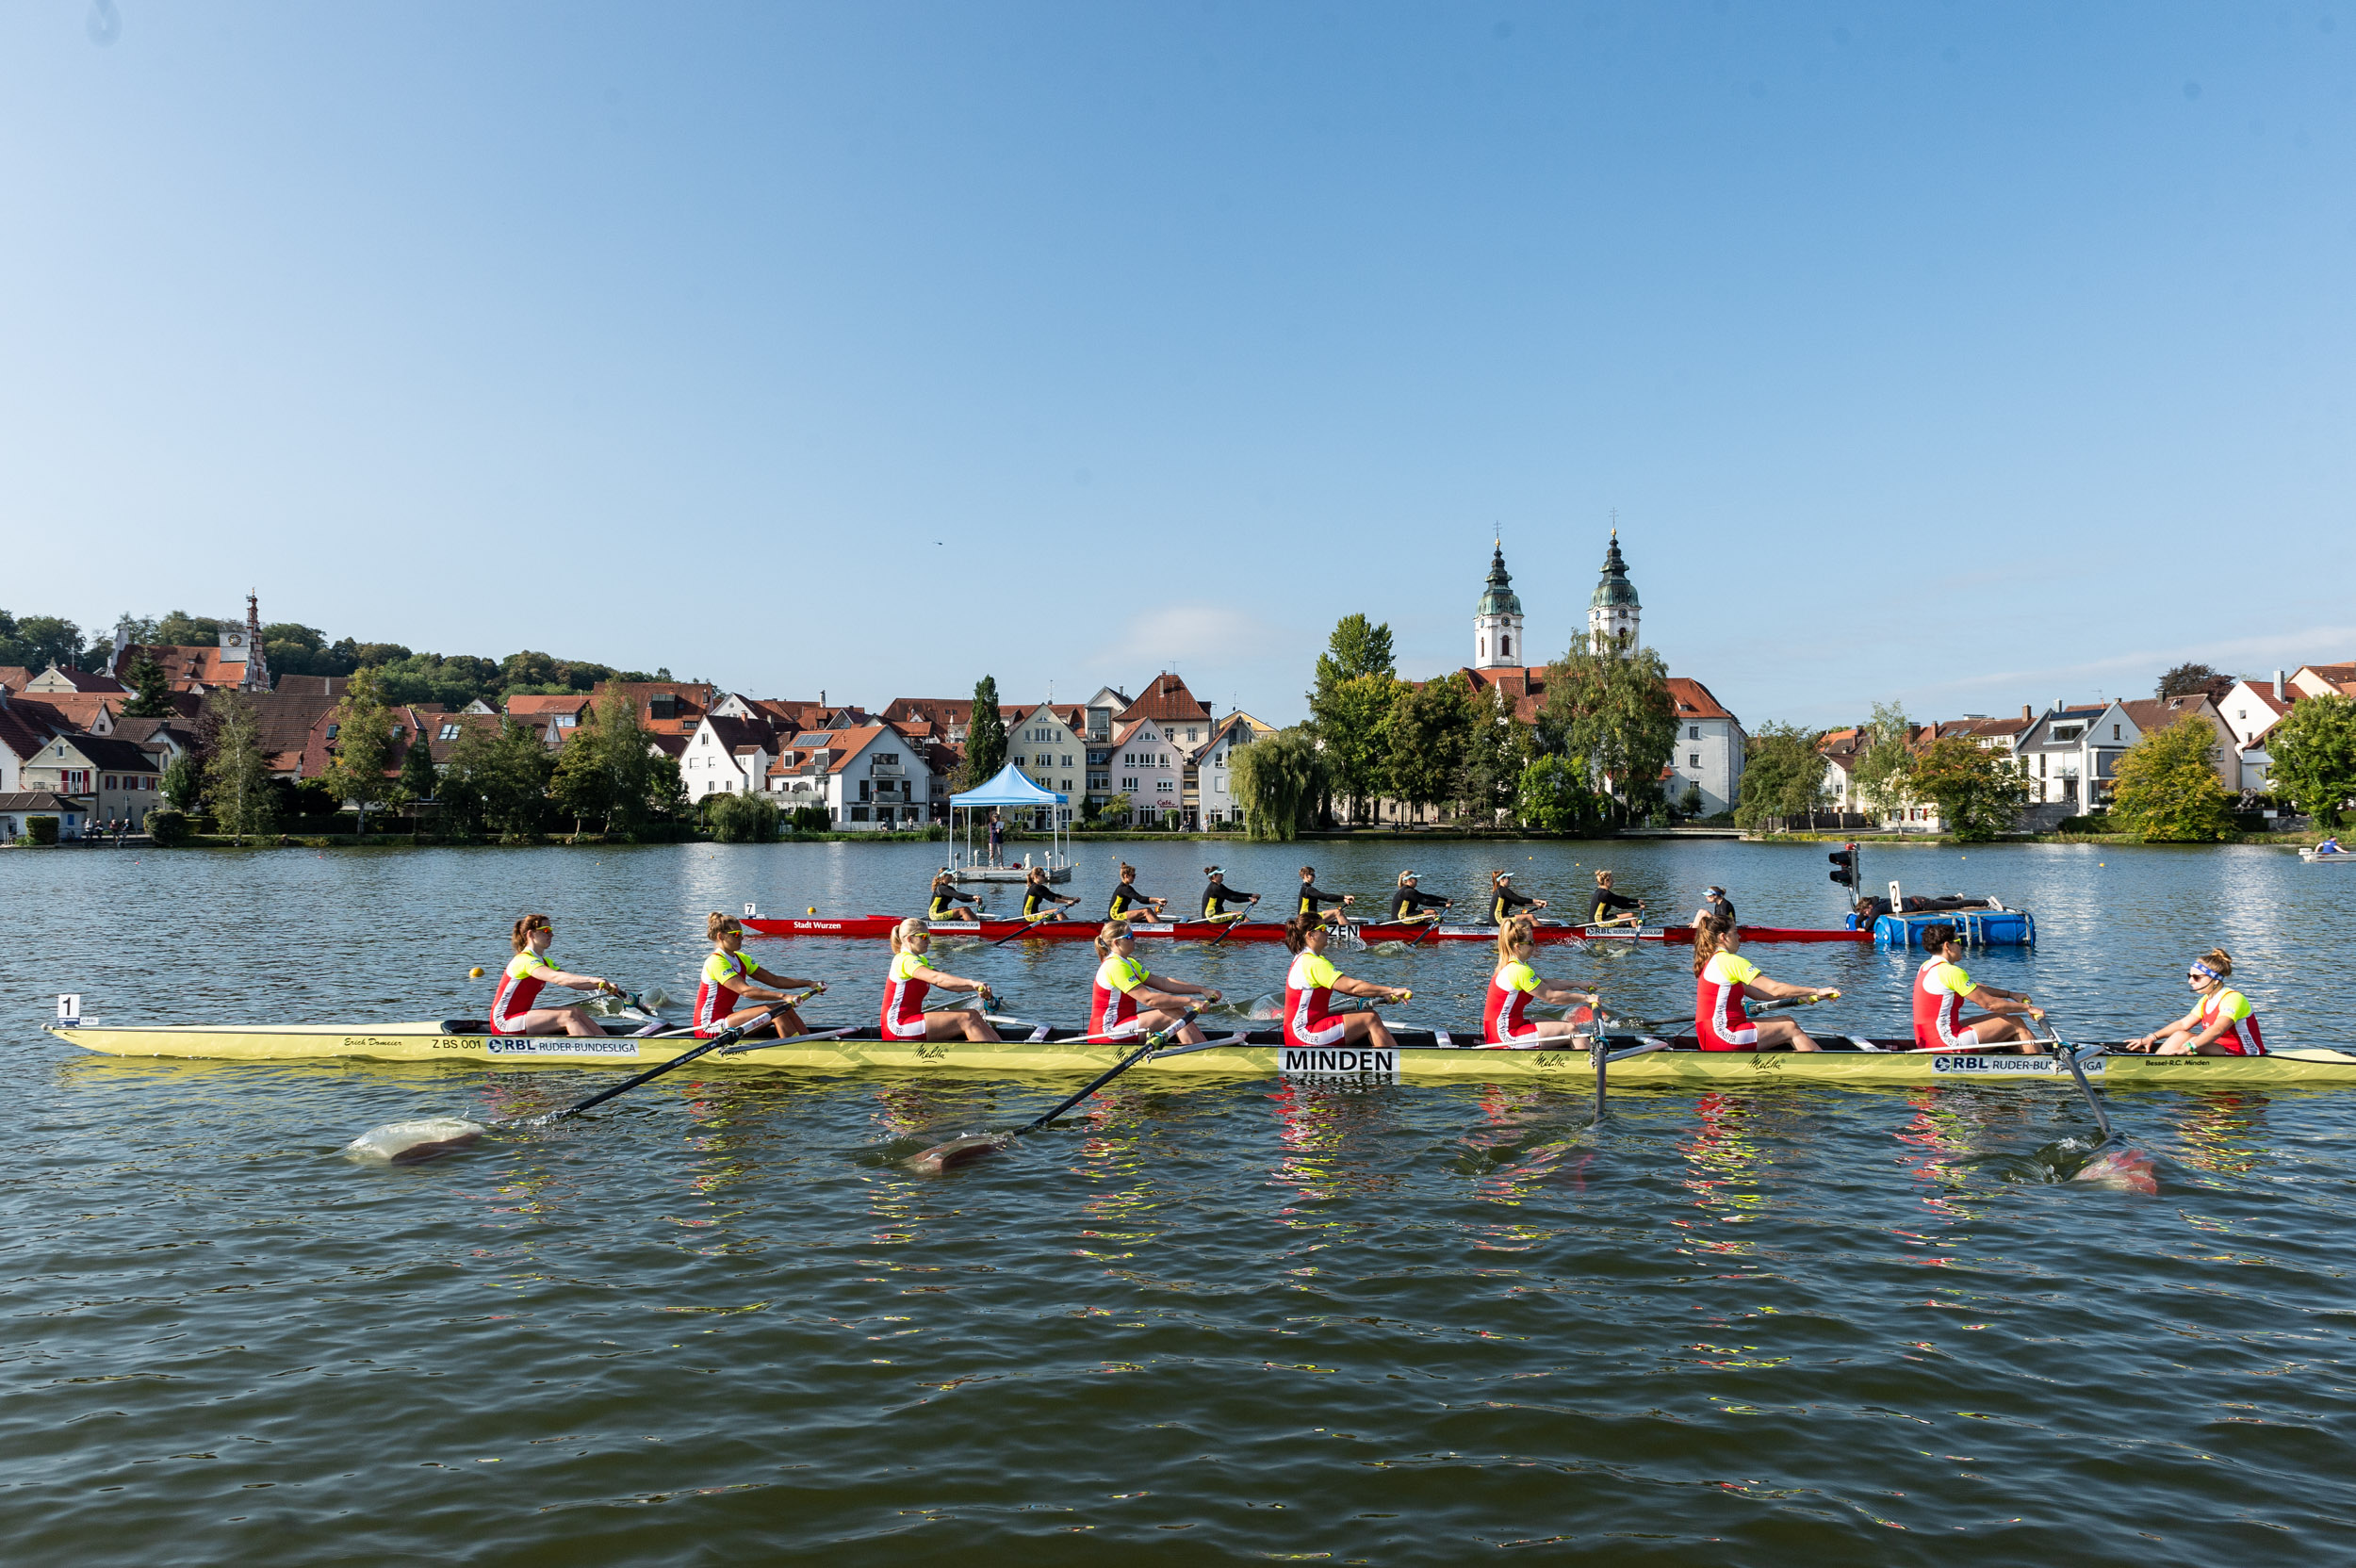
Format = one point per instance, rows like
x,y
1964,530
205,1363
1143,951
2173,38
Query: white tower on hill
x,y
1497,623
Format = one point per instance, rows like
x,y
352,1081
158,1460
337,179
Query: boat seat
x,y
466,1027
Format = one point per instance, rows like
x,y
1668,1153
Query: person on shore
x,y
1504,903
997,838
946,898
1128,1000
1411,906
1512,987
1129,904
512,1009
2222,1023
729,978
1312,900
1714,902
1309,988
1040,901
909,978
1219,895
1939,987
1604,908
1723,978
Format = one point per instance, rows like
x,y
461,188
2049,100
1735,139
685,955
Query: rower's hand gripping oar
x,y
957,1152
718,1042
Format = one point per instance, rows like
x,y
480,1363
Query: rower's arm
x,y
1348,986
785,982
948,982
577,982
1764,989
1562,991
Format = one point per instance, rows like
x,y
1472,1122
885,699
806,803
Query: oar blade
x,y
957,1152
409,1142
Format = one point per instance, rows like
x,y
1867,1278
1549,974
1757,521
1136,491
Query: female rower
x,y
909,978
729,978
1723,977
946,898
1510,991
1939,987
1606,901
1311,899
1408,904
1039,899
512,1009
1309,988
1504,903
1129,904
2221,1022
1127,1000
1219,895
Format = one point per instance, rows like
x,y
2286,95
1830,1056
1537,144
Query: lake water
x,y
716,1323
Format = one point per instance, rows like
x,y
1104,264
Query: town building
x,y
2250,710
873,777
235,662
1048,745
112,781
20,808
2325,680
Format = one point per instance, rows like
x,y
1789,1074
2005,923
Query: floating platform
x,y
1977,927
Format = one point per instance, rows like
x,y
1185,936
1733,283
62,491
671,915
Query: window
x,y
1191,734
449,733
111,781
1066,762
1066,785
888,759
1042,760
1165,759
331,731
1129,786
1128,758
2114,732
866,792
1692,733
2068,731
858,814
1694,760
1219,788
1505,647
1163,786
1100,759
566,720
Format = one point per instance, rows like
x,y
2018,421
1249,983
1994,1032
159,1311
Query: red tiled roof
x,y
15,676
694,700
61,711
526,706
185,667
82,681
1694,701
1166,699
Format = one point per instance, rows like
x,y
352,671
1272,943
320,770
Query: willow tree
x,y
1279,778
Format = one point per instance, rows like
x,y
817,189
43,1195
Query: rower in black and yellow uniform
x,y
1219,895
1606,908
1129,904
945,901
1504,903
1312,900
1410,907
1040,901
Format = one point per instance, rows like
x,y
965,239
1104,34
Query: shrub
x,y
742,819
41,830
167,827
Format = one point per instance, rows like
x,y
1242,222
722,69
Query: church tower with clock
x,y
1498,621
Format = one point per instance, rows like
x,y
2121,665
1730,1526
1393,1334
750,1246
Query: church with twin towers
x,y
1709,757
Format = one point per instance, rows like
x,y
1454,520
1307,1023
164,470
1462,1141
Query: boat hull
x,y
1419,1058
876,927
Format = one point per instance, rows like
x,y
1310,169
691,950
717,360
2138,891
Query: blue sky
x,y
1972,356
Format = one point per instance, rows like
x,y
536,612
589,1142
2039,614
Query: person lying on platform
x,y
1939,987
946,898
1871,910
1504,903
1311,898
1040,900
1219,895
1604,910
1412,907
1129,904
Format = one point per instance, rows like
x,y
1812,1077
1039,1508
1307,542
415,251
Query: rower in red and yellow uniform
x,y
1309,988
2222,1023
910,978
729,978
1941,986
1127,999
1723,977
511,1006
1511,990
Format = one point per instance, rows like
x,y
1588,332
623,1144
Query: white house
x,y
1214,773
2250,710
1148,767
2123,724
1050,748
726,757
1710,748
872,778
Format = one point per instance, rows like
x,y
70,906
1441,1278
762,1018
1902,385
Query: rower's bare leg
x,y
959,1024
2003,1034
1368,1027
1160,1017
1783,1032
2177,1044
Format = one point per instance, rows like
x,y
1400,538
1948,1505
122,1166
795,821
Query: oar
x,y
1781,1004
2069,1057
1029,922
1228,928
718,1042
957,1152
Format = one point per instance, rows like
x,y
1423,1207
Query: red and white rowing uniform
x,y
520,992
726,975
1112,1002
2240,1036
1502,1022
1939,989
1309,1018
1719,1021
904,998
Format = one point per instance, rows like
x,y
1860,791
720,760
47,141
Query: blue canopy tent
x,y
1011,790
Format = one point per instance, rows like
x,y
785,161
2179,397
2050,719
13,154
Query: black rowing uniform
x,y
1719,907
1217,896
1606,901
1037,899
945,902
1409,901
1501,907
1123,896
1311,898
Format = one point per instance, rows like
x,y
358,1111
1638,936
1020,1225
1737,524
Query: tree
x,y
2314,756
1612,713
1497,748
1352,720
1357,647
2166,786
184,783
497,778
1783,774
1979,792
181,629
1884,761
2187,680
362,751
416,771
38,642
1426,734
1279,780
742,819
606,769
1554,797
237,774
985,735
154,691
